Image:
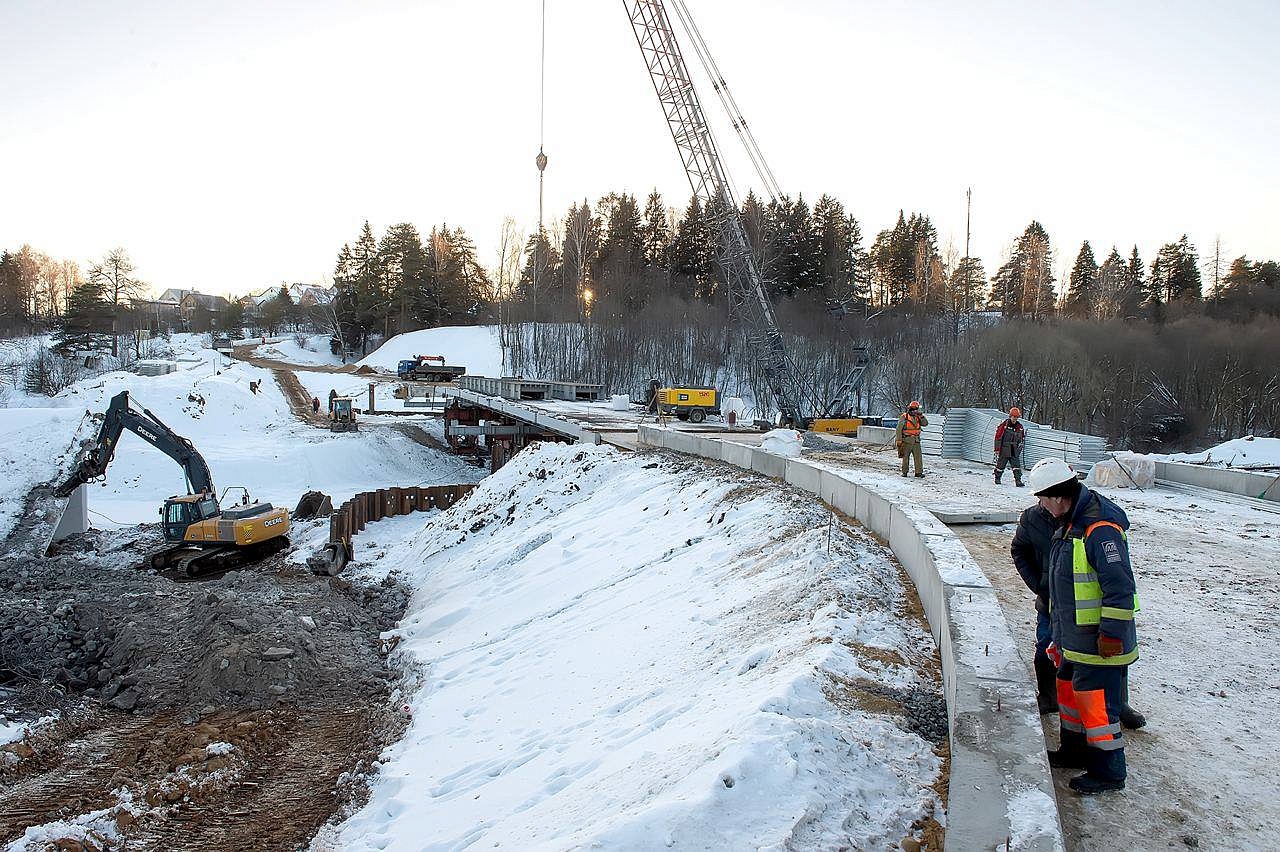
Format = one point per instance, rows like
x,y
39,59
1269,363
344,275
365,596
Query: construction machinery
x,y
799,402
688,403
428,368
342,415
203,537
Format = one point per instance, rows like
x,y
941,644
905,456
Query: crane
x,y
797,404
203,536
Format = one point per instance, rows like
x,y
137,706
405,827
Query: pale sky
x,y
230,145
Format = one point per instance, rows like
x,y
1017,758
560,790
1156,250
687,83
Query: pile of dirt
x,y
93,624
182,704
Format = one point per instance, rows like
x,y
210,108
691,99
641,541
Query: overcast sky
x,y
230,145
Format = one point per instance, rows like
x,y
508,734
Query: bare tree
x,y
510,243
115,273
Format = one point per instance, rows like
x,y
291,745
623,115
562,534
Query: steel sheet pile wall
x,y
970,433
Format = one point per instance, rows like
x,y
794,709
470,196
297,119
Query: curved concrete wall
x,y
1001,794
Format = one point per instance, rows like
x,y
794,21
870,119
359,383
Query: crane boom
x,y
707,177
119,416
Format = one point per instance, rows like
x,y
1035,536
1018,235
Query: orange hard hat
x,y
1015,412
914,404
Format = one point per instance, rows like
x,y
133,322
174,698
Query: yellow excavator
x,y
202,536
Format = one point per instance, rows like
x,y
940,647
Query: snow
x,y
11,732
40,837
618,651
250,440
475,347
1205,569
315,351
1246,452
218,749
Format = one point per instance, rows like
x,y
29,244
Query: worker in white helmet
x,y
1093,598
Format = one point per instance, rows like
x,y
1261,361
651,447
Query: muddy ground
x,y
241,711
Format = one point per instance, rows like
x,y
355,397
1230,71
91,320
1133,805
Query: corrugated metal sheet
x,y
970,433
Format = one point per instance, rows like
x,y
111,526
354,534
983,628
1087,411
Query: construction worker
x,y
333,394
1032,542
907,437
1030,552
315,405
1092,600
1010,436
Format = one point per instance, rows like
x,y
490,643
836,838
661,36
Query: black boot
x,y
1132,719
1046,685
997,478
1091,785
1071,753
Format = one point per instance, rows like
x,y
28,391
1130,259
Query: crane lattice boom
x,y
705,170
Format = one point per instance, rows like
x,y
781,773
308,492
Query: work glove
x,y
1054,654
1109,646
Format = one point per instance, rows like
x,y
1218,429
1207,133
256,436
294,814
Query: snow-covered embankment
x,y
618,650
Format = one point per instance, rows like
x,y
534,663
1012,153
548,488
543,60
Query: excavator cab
x,y
181,512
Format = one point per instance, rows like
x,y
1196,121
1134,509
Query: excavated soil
x,y
236,712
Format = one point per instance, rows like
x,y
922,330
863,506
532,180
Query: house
x,y
194,301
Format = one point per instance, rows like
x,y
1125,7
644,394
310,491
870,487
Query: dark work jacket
x,y
1108,555
1010,437
1030,550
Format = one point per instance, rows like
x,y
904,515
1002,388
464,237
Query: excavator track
x,y
186,560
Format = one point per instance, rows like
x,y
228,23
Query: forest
x,y
1158,354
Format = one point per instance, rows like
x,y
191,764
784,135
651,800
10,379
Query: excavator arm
x,y
120,415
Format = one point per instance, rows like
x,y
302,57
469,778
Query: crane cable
x,y
728,101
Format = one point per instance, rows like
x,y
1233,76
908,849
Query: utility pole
x,y
541,162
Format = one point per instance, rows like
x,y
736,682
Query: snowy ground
x,y
1206,575
248,439
1240,453
315,351
629,651
473,347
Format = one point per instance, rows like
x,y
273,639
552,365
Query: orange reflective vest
x,y
911,425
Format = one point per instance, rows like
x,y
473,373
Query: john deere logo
x,y
272,522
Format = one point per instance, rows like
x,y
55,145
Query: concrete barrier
x,y
1242,482
770,464
1000,788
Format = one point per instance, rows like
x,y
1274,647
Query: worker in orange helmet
x,y
907,437
1010,437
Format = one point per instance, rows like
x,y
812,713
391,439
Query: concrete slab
x,y
993,517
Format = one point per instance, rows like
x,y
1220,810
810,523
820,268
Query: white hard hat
x,y
1047,473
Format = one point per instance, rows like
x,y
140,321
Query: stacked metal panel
x,y
970,433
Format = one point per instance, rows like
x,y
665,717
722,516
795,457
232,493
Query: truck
x,y
428,368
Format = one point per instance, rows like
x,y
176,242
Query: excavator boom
x,y
120,415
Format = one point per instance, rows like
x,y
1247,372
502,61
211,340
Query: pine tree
x,y
403,261
1134,295
796,246
693,254
968,280
892,262
86,323
656,232
1112,278
1024,284
1082,287
1175,273
842,257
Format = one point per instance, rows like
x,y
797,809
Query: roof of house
x,y
203,300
